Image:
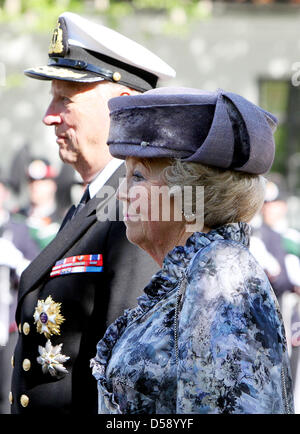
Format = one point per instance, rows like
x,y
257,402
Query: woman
x,y
207,335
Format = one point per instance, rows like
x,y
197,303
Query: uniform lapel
x,y
65,239
43,263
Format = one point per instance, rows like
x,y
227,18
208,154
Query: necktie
x,y
75,209
85,198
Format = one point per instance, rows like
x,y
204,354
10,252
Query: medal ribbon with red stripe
x,y
78,264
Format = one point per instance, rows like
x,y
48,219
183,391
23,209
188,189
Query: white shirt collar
x,y
103,176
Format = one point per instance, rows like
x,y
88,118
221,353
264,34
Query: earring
x,y
189,217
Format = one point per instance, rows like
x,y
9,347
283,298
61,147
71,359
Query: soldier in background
x,y
42,215
271,234
270,244
17,248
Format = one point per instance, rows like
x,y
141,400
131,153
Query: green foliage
x,y
14,80
161,4
117,11
281,155
274,96
40,15
175,15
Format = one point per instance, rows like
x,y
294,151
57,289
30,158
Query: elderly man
x,y
89,273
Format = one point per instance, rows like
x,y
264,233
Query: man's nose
x,y
52,116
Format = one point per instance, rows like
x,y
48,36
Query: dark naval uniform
x,y
61,318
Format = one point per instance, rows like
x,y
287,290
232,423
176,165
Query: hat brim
x,y
60,73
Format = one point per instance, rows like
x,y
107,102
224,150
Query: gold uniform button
x,y
12,361
26,328
10,397
24,400
116,76
26,364
20,328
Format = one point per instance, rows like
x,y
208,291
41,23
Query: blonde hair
x,y
229,196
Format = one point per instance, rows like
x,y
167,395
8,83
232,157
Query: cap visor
x,y
60,73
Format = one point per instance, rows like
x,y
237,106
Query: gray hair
x,y
229,196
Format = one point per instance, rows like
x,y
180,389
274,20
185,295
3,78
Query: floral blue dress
x,y
206,337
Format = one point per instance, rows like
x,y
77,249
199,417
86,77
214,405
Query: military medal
x,y
52,359
78,264
82,269
47,317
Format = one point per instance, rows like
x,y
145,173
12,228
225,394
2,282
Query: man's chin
x,y
66,157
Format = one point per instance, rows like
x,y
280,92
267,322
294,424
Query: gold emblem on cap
x,y
47,317
56,44
116,76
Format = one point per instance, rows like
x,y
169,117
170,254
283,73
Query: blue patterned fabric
x,y
230,353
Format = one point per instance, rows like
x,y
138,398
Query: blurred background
x,y
251,47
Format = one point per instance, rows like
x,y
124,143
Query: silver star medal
x,y
52,360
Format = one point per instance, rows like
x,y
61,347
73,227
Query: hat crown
x,y
218,128
93,36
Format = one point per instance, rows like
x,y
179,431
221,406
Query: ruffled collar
x,y
166,279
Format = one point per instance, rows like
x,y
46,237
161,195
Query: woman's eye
x,y
137,176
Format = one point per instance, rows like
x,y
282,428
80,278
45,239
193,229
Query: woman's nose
x,y
122,191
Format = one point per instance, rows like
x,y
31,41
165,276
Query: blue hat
x,y
220,129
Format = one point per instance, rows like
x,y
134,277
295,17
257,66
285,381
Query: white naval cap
x,y
84,51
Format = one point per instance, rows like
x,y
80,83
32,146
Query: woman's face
x,y
148,215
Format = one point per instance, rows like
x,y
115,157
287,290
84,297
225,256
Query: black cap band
x,y
79,58
80,64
